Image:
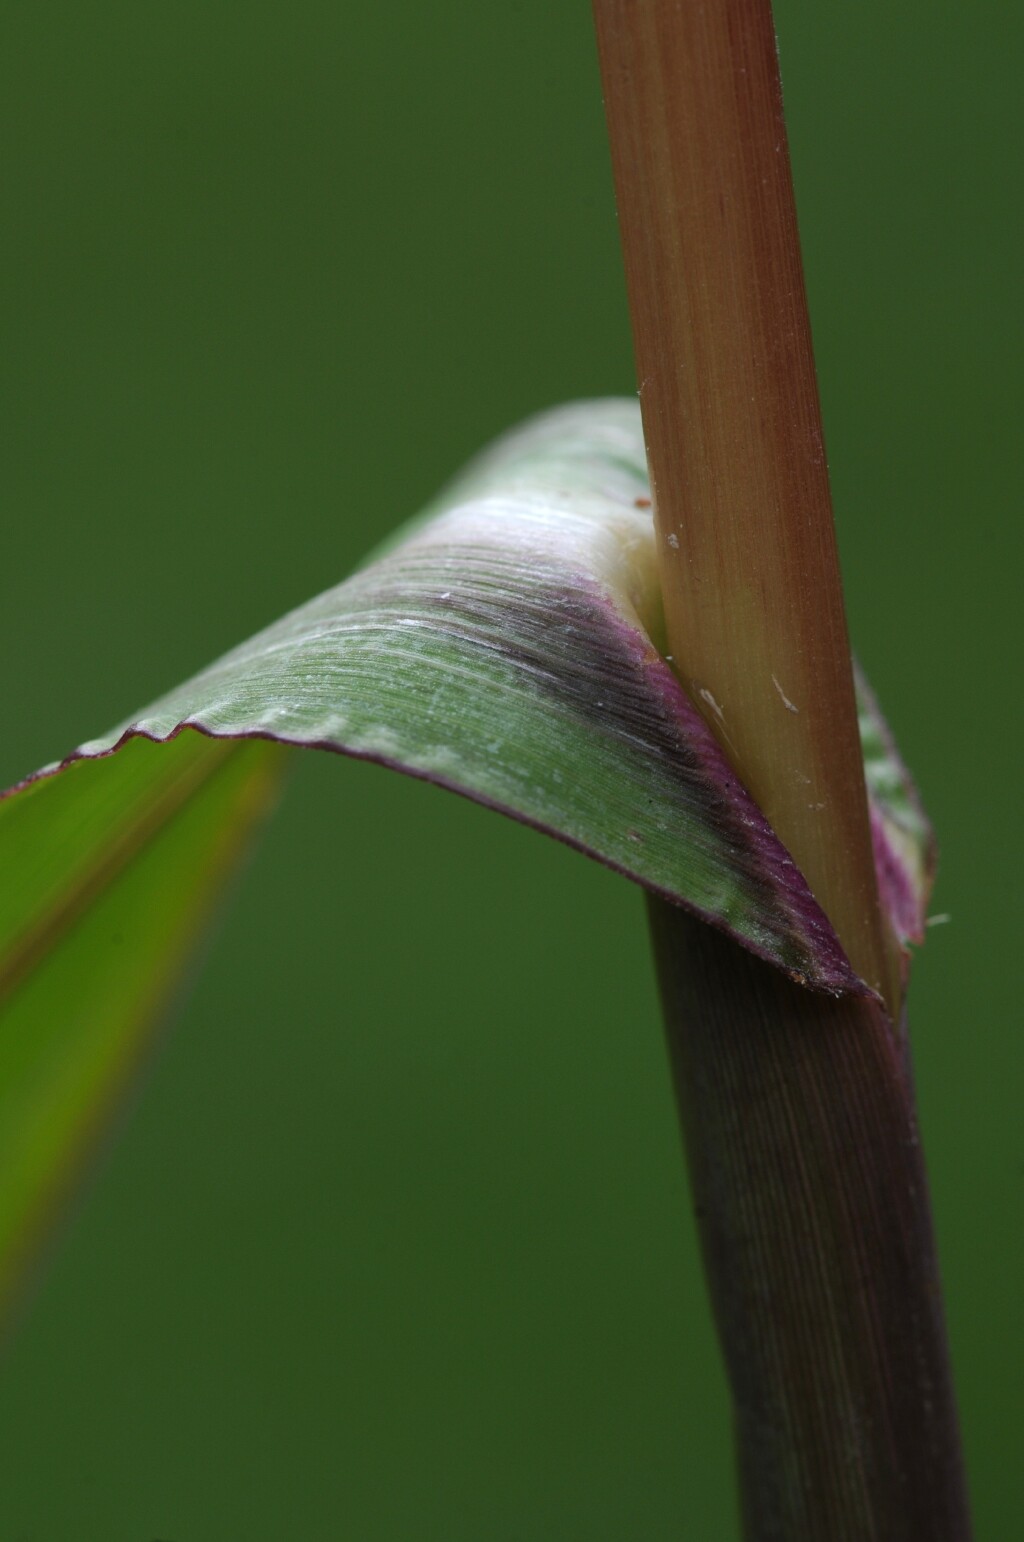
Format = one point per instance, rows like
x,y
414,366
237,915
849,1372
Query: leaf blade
x,y
508,645
76,1025
507,649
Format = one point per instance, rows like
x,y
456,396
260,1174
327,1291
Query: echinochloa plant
x,y
622,625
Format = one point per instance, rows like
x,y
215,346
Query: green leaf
x,y
508,645
110,870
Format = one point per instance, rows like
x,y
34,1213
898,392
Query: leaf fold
x,y
507,645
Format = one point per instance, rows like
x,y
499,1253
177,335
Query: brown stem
x,y
798,1109
812,1204
747,552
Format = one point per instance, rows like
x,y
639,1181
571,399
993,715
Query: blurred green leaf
x,y
110,870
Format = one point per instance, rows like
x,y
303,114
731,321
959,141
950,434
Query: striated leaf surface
x,y
508,648
507,645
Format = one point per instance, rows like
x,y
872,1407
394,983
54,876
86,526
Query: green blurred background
x,y
396,1242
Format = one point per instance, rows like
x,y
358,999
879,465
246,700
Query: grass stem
x,y
728,391
812,1204
797,1108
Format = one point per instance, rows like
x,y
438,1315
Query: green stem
x,y
812,1202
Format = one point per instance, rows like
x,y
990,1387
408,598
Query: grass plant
x,y
675,698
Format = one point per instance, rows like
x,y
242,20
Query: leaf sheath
x,y
812,1203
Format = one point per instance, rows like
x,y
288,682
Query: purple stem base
x,y
812,1203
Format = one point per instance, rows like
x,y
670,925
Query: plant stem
x,y
747,552
797,1108
811,1199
